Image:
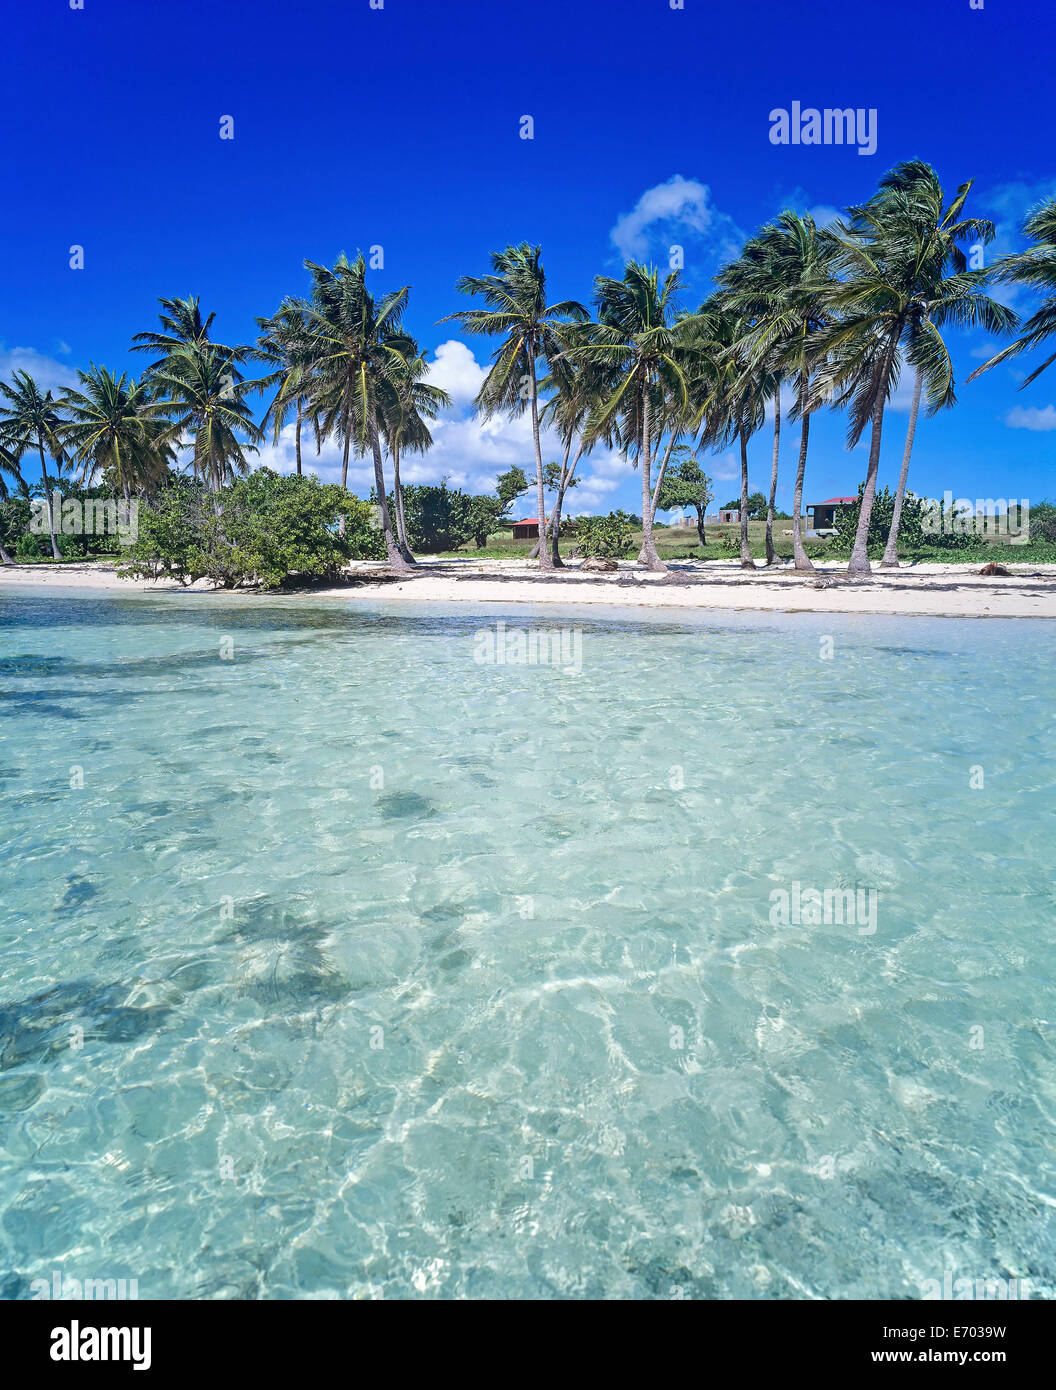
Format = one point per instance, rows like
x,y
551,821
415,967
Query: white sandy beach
x,y
921,590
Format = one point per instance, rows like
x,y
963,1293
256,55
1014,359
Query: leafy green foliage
x,y
609,536
263,530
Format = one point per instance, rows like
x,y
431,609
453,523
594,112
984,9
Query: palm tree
x,y
283,345
112,426
203,389
9,465
733,406
896,295
182,326
357,348
28,417
575,395
517,312
955,298
1035,267
410,403
643,358
783,280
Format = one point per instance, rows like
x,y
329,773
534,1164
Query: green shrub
x,y
28,548
608,536
263,530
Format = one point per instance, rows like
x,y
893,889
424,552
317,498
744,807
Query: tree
x,y
895,295
955,298
783,281
113,430
1035,267
517,312
640,360
182,326
283,346
31,417
204,391
357,347
411,402
687,485
509,486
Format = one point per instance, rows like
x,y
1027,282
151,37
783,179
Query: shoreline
x,y
920,590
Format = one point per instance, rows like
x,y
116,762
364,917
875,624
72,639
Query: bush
x,y
28,548
608,536
263,530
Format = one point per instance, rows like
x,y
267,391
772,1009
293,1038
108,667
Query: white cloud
x,y
45,371
455,370
675,207
1031,418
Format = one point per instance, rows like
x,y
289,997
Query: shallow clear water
x,y
357,967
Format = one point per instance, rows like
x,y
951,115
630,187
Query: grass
x,y
681,544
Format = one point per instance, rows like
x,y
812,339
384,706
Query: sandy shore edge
x,y
924,590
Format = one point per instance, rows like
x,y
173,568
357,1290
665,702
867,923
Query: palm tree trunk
x,y
656,489
297,435
342,520
401,522
545,562
860,553
747,563
648,555
5,558
773,480
802,560
890,560
555,521
56,553
392,550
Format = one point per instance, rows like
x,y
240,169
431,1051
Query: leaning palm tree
x,y
896,251
1035,267
113,427
31,418
356,347
782,281
517,312
283,347
9,465
643,355
201,387
574,395
409,404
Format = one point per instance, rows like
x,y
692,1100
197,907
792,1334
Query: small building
x,y
821,516
730,518
526,530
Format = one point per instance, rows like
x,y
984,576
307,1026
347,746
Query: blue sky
x,y
399,127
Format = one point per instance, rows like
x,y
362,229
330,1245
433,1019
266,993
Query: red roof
x,y
834,501
528,521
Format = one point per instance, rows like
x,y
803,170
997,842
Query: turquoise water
x,y
357,967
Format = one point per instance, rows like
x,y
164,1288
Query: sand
x,y
920,590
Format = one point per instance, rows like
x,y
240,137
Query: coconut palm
x,y
1035,267
113,427
410,403
575,393
283,346
202,388
357,347
182,326
782,281
643,358
516,311
956,298
896,251
31,418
